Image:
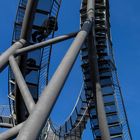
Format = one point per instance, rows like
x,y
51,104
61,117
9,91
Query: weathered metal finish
x,y
91,9
16,48
50,94
11,133
42,110
31,129
103,125
26,32
29,102
24,91
45,43
4,57
28,19
6,125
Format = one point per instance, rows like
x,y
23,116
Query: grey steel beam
x,y
26,26
28,19
11,133
25,33
45,43
42,110
4,57
103,125
6,125
91,9
17,49
27,97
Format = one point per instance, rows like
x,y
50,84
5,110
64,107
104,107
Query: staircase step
x,y
100,6
100,29
102,54
101,37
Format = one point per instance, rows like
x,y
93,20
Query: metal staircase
x,y
107,69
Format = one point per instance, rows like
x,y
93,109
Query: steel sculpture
x,y
100,99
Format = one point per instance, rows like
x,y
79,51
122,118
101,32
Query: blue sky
x,y
125,21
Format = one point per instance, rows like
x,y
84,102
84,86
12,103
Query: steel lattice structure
x,y
100,99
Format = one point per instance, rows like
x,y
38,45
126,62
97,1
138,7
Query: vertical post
x,y
103,125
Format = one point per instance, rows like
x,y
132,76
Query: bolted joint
x,y
21,42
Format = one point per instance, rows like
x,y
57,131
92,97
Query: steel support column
x,y
103,125
26,26
11,133
42,110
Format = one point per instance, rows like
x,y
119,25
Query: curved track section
x,y
74,125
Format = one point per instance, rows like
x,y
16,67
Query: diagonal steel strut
x,y
46,43
75,48
58,80
17,48
42,110
50,94
27,97
29,102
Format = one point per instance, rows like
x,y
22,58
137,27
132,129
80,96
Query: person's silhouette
x,y
45,30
